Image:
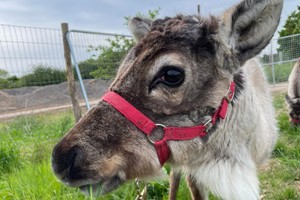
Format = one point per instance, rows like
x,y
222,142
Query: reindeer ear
x,y
139,27
250,25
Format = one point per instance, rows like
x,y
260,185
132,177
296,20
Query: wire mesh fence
x,y
279,57
97,55
32,65
30,56
34,57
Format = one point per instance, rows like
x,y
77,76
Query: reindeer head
x,y
176,75
293,96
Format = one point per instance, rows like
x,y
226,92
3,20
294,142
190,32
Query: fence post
x,y
70,74
272,61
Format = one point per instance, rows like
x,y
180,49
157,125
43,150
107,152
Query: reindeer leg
x,y
198,192
174,184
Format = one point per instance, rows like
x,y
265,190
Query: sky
x,y
106,15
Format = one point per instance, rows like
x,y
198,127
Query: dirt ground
x,y
31,100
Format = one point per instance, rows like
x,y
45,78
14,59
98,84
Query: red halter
x,y
295,121
146,125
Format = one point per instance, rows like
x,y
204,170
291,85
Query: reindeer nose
x,y
65,162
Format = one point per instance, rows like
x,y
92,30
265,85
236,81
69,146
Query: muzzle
x,y
147,126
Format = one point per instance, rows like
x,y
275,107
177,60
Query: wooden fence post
x,y
70,73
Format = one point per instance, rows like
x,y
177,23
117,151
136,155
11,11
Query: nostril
x,y
63,159
72,158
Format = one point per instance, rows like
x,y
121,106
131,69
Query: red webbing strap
x,y
146,125
295,120
162,150
184,133
187,133
139,120
222,110
130,112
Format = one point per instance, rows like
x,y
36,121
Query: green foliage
x,y
290,47
3,81
152,14
110,57
3,73
43,75
292,24
9,157
7,81
157,189
86,67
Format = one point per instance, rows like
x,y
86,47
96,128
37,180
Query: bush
x,y
42,75
86,67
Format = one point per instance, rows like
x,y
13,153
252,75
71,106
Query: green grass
x,y
25,172
281,179
281,72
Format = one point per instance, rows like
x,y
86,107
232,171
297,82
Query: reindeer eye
x,y
170,76
173,77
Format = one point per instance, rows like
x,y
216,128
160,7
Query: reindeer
x,y
293,95
188,93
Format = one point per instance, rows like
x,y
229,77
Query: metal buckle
x,y
227,98
157,126
206,124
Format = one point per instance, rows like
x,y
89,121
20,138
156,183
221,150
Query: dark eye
x,y
169,76
173,77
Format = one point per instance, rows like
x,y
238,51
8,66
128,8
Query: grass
x,y
281,72
25,172
281,179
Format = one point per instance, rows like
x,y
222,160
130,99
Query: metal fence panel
x,y
279,57
24,49
93,51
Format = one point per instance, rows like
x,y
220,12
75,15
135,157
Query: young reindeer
x,y
186,94
293,95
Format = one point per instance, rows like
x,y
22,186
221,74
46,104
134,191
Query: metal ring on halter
x,y
206,124
157,126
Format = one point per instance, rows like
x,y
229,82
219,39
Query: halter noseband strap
x,y
146,125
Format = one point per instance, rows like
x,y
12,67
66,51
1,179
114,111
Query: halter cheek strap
x,y
147,126
296,121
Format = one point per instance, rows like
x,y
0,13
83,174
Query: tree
x,y
292,24
290,46
110,56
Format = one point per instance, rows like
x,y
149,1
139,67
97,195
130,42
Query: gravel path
x,y
32,100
